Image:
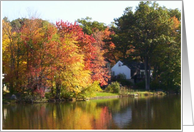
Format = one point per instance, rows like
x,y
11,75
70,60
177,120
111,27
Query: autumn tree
x,y
34,44
101,72
53,59
38,55
10,58
104,48
17,24
76,52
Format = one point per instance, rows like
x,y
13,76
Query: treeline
x,y
151,35
70,59
38,55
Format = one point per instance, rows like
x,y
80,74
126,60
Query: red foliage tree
x,y
84,41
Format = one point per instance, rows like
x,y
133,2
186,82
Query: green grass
x,y
101,94
141,93
146,93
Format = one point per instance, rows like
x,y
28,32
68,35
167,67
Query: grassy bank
x,y
141,93
131,93
98,95
102,94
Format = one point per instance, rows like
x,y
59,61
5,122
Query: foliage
x,y
73,68
155,84
90,90
114,87
91,27
101,72
66,95
150,35
47,56
121,76
48,95
103,48
70,59
10,56
125,82
140,85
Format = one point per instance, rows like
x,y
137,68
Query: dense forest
x,y
70,59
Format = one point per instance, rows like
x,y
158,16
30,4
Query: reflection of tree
x,y
58,116
116,105
156,113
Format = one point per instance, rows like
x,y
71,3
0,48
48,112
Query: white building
x,y
119,68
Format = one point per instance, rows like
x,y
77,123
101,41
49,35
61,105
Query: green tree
x,y
90,27
140,33
123,38
167,64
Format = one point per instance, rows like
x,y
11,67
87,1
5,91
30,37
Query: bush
x,y
155,85
29,98
66,94
114,87
125,82
90,90
48,95
140,85
121,76
124,90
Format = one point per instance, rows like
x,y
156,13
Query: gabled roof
x,y
121,64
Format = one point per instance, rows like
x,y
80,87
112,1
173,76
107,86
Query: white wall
x,y
121,70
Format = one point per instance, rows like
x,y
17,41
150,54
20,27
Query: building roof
x,y
133,65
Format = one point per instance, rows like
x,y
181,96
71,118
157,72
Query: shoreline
x,y
132,95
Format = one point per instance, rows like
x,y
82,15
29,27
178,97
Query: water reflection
x,y
123,113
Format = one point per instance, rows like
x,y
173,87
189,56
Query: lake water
x,y
123,113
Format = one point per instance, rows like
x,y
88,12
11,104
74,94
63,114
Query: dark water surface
x,y
123,113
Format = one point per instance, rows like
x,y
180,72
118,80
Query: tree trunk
x,y
147,74
18,83
11,88
58,91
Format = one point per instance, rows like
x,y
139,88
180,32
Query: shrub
x,y
90,90
40,93
66,95
155,85
29,98
121,76
125,82
48,95
140,85
114,87
124,90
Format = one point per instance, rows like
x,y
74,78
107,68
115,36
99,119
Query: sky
x,y
101,11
